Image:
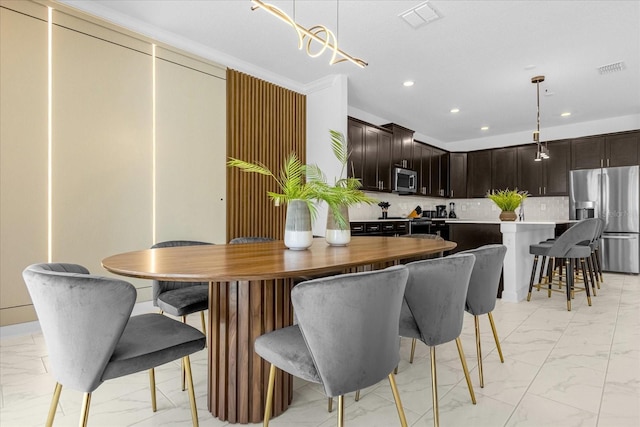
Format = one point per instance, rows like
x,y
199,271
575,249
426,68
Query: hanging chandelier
x,y
317,32
543,151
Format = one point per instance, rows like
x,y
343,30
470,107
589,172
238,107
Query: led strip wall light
x,y
313,33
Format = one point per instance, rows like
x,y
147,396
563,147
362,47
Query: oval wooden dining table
x,y
249,295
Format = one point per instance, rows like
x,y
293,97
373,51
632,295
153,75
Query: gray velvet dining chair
x,y
346,337
91,337
249,239
433,309
180,299
483,292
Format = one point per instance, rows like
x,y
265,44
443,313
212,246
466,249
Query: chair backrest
x,y
436,294
350,325
598,234
82,317
238,240
160,286
582,232
426,236
485,278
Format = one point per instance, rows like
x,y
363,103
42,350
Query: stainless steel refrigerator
x,y
612,194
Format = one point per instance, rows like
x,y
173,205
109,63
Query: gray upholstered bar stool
x,y
570,247
91,337
433,309
346,337
483,292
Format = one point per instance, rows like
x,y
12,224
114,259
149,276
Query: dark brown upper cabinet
x,y
422,164
402,146
458,175
504,172
622,149
370,155
439,173
605,151
549,177
478,173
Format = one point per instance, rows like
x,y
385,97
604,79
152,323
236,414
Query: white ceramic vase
x,y
297,230
336,235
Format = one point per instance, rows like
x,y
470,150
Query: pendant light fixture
x,y
316,33
543,151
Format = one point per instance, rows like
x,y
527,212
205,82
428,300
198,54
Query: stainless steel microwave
x,y
405,181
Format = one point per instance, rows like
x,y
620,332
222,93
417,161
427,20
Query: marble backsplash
x,y
535,208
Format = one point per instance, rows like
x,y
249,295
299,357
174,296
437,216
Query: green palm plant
x,y
291,181
344,192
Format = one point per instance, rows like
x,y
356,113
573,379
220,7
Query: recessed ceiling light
x,y
484,128
455,110
408,83
565,114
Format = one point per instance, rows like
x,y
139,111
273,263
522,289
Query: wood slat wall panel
x,y
265,123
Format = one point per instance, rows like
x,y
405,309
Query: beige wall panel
x,y
190,154
191,62
23,158
100,29
35,10
102,139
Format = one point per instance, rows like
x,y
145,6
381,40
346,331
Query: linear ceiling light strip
x,y
314,33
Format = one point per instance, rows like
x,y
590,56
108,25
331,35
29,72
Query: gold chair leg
x,y
413,350
330,404
466,371
192,392
182,370
269,402
341,411
396,397
434,387
476,321
152,387
54,404
84,413
204,326
358,396
495,336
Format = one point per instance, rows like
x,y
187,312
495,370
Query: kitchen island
x,y
517,236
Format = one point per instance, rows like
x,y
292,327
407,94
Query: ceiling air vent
x,y
420,15
611,68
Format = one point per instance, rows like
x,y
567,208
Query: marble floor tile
x,y
579,368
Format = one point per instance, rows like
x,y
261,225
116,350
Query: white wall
x,y
326,109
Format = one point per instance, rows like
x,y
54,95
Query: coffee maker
x,y
441,211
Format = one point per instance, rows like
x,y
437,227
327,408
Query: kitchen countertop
x,y
469,221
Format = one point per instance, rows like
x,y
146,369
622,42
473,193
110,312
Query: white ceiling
x,y
479,57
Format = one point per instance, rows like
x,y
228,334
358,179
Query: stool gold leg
x,y
341,411
434,387
476,321
84,413
466,371
413,350
54,405
396,398
495,336
152,387
269,402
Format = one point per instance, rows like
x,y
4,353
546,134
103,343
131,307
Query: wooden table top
x,y
264,261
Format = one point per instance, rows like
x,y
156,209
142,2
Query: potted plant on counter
x,y
508,201
343,193
296,192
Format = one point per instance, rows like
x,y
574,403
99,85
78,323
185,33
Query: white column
x,y
517,236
